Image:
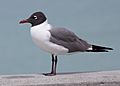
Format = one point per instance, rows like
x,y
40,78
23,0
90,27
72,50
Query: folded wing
x,y
68,39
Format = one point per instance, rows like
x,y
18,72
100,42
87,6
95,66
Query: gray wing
x,y
68,39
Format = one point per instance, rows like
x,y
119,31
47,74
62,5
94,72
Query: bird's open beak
x,y
23,21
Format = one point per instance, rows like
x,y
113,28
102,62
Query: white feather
x,y
41,36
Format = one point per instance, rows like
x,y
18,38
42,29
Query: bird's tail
x,y
96,48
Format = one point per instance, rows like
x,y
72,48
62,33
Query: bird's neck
x,y
43,26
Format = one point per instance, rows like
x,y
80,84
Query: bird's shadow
x,y
32,76
68,73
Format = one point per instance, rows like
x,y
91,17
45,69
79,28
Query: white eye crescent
x,y
35,17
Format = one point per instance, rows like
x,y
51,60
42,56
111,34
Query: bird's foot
x,y
49,74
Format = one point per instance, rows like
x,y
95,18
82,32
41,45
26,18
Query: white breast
x,y
41,35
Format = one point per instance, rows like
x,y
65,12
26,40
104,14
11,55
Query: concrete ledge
x,y
104,78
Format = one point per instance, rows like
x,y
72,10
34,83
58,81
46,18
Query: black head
x,y
35,19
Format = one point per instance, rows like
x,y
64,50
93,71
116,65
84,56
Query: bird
x,y
57,40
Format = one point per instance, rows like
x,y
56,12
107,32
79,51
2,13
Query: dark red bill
x,y
23,21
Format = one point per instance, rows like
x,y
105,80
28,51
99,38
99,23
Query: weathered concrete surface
x,y
104,78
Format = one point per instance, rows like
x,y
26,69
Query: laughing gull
x,y
56,40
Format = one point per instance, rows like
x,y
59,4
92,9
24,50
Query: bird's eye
x,y
34,17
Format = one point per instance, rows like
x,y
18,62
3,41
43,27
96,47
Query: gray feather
x,y
68,39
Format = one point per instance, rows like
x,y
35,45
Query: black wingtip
x,y
96,48
111,49
101,48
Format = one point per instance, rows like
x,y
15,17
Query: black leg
x,y
56,59
53,69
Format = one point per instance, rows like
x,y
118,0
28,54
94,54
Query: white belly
x,y
41,39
